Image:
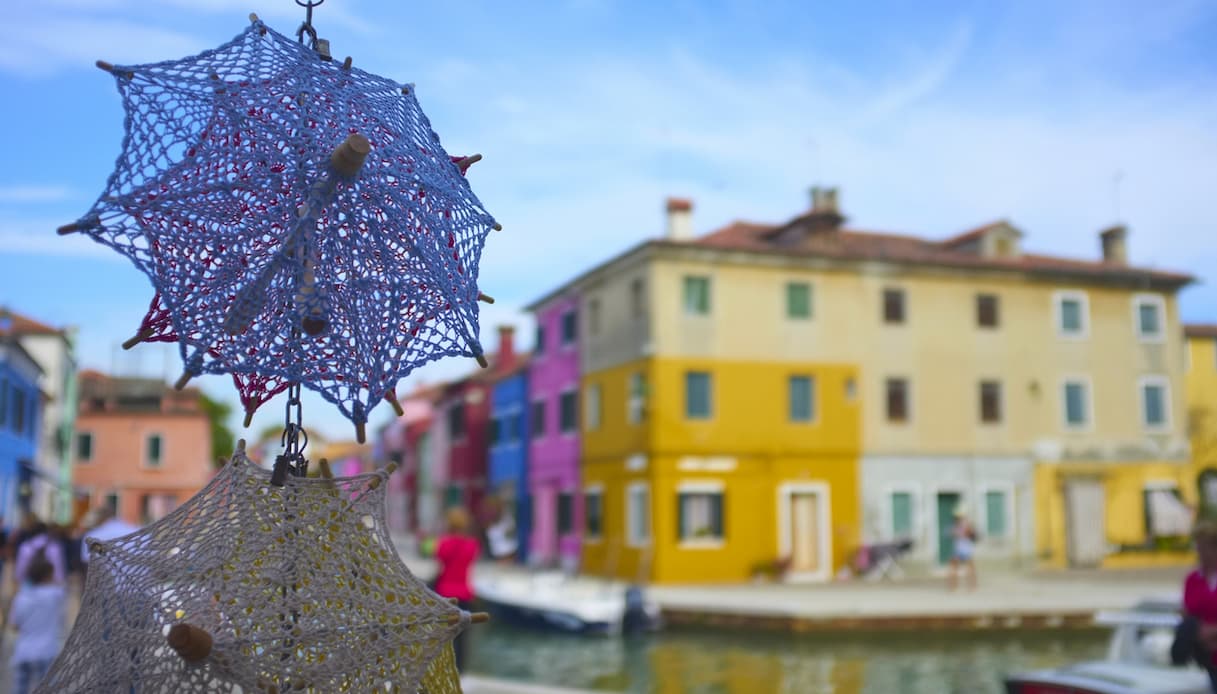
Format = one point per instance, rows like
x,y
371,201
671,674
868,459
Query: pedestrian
x,y
105,527
38,615
1196,635
456,551
41,544
963,549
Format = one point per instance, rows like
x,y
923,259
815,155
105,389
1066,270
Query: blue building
x,y
20,411
507,472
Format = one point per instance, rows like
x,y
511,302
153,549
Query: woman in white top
x,y
38,616
963,540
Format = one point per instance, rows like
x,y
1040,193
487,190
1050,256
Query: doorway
x,y
804,526
1085,526
948,502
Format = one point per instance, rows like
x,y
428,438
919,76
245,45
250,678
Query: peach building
x,y
141,447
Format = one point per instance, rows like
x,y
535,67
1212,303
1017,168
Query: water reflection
x,y
680,662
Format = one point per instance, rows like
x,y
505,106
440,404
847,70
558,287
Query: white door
x,y
805,529
1086,529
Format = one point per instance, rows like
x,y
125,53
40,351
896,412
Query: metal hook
x,y
307,28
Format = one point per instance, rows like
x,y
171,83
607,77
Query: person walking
x,y
1196,635
41,544
456,551
963,549
38,615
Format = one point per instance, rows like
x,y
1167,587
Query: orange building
x,y
141,447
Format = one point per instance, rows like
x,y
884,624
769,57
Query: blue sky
x,y
931,118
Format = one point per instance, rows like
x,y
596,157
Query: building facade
x,y
20,429
553,434
1201,364
54,351
508,471
141,448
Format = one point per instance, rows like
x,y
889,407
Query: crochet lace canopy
x,y
249,588
275,249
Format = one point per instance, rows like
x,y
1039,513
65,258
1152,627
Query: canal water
x,y
742,662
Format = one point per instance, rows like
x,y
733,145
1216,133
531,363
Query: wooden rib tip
x,y
253,18
324,466
249,418
346,64
138,338
497,227
241,445
361,433
108,67
69,228
468,161
485,298
481,360
182,380
479,617
397,408
391,468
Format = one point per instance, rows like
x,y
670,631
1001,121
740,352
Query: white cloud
x,y
34,193
44,45
38,237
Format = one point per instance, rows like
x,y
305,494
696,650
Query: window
x,y
1072,314
1148,312
990,402
638,514
456,421
496,431
997,509
699,514
18,420
987,311
566,513
539,344
893,306
902,515
697,295
538,419
593,317
802,398
798,300
84,447
593,513
154,450
111,502
897,400
1077,404
570,327
1155,403
638,307
637,399
698,403
591,406
568,411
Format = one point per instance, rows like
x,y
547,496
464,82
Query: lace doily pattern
x,y
250,588
274,250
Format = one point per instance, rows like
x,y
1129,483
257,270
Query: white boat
x,y
554,600
1138,659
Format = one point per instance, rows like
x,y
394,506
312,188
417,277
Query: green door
x,y
947,503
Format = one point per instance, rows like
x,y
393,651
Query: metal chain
x,y
295,440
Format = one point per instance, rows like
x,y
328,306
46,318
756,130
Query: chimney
x,y
680,219
506,357
1115,247
824,200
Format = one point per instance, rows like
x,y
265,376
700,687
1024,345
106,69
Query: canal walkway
x,y
1011,600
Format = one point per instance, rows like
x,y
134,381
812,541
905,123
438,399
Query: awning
x,y
1168,516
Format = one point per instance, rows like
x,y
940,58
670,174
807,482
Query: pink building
x,y
553,455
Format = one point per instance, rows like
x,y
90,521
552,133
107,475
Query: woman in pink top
x,y
1196,638
456,552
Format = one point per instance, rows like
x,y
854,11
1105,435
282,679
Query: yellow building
x,y
1036,394
1202,401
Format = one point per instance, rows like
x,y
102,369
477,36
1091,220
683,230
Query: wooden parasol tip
x,y
69,228
249,418
324,466
486,298
349,156
346,64
241,445
391,468
482,361
191,643
361,433
497,226
397,409
253,18
138,338
468,161
474,618
182,381
108,67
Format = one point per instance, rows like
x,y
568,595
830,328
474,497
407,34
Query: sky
x,y
931,118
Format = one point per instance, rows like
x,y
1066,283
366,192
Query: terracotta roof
x,y
852,244
1200,330
972,234
18,324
